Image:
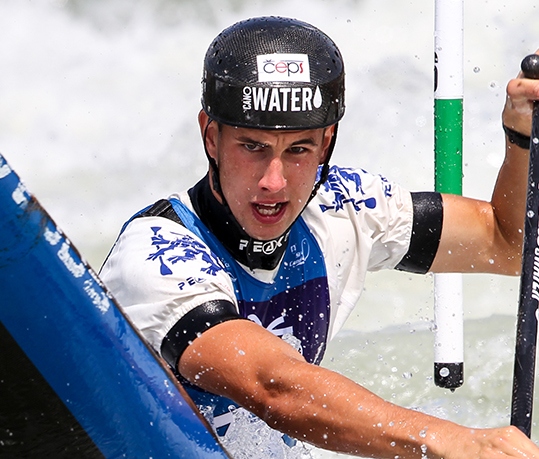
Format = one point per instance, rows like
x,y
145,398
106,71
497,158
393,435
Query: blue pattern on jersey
x,y
298,298
345,183
294,306
190,247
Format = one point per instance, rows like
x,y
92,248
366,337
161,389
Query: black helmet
x,y
273,73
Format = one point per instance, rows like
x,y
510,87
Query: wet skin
x,y
266,175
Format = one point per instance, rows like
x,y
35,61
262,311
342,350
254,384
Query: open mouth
x,y
269,210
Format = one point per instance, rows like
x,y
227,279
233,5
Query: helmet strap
x,y
235,231
214,172
325,167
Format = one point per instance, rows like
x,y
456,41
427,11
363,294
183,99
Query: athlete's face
x,y
266,176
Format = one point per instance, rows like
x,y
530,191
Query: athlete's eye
x,y
297,150
253,146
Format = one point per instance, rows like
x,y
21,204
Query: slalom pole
x,y
448,126
526,339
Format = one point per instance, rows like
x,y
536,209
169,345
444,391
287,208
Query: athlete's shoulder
x,y
353,189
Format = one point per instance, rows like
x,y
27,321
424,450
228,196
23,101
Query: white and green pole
x,y
448,111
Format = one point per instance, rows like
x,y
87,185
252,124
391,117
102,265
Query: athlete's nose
x,y
273,179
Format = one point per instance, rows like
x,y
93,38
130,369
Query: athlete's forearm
x,y
509,194
509,204
243,361
259,371
333,412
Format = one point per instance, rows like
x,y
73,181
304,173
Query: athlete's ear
x,y
328,134
209,133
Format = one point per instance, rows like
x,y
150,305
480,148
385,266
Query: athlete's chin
x,y
265,234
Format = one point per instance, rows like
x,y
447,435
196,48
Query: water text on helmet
x,y
281,99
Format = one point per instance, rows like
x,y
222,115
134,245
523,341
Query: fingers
x,y
511,442
521,93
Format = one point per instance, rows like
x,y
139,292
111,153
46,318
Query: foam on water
x,y
249,437
98,105
100,98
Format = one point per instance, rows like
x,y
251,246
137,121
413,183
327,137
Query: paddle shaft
x,y
526,338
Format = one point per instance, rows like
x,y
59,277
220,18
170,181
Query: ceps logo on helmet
x,y
273,73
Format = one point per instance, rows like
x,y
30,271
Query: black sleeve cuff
x,y
193,324
426,233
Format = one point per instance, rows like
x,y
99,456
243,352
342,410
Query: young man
x,y
240,282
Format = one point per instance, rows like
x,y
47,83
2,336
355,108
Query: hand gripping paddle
x,y
526,339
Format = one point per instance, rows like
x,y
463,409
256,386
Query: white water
x,y
98,104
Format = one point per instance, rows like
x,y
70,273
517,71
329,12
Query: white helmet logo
x,y
283,67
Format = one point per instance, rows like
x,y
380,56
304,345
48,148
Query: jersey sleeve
x,y
161,273
375,214
363,222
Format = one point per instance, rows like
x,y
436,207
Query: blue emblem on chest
x,y
295,305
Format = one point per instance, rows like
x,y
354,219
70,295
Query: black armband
x,y
516,138
162,208
192,324
426,233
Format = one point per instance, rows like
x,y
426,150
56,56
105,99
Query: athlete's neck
x,y
251,252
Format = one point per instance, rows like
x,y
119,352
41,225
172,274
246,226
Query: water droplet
x,y
476,70
535,140
530,213
423,434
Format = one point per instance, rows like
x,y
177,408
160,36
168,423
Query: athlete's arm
x,y
246,363
480,236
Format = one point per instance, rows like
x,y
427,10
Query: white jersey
x,y
161,270
361,222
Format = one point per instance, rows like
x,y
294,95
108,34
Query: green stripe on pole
x,y
448,145
448,97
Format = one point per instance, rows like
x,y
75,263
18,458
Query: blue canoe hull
x,y
67,329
